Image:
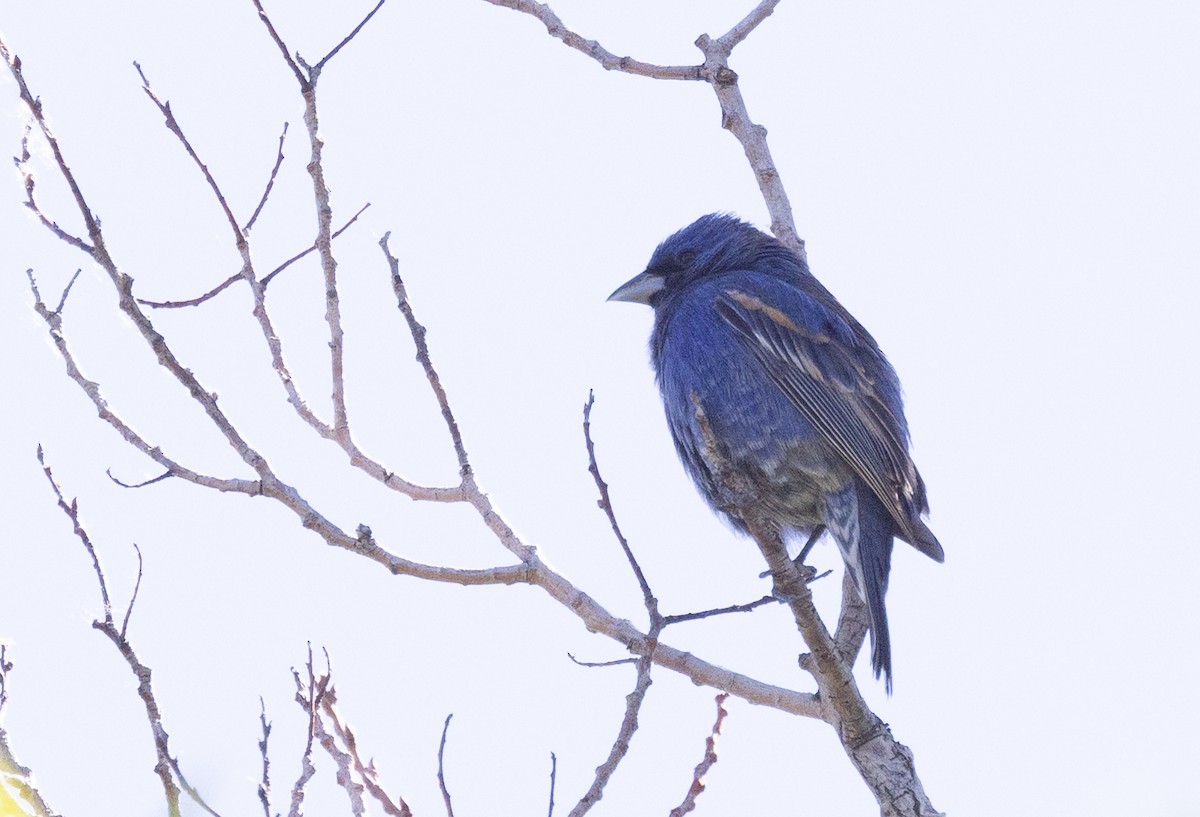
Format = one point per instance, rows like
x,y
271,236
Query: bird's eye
x,y
685,258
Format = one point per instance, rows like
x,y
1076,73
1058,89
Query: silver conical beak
x,y
639,289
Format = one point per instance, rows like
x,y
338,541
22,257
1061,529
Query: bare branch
x,y
270,276
441,774
418,336
593,49
92,390
366,771
321,62
283,49
167,768
272,487
530,570
605,503
173,125
748,23
240,274
72,511
633,701
35,108
602,664
207,296
62,301
137,585
553,778
716,71
344,763
753,138
143,484
720,611
5,668
707,762
264,788
270,182
629,725
308,696
22,163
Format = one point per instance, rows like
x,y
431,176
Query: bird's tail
x,y
863,530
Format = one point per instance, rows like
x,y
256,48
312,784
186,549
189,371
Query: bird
x,y
754,355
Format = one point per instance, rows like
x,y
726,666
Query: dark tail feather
x,y
867,549
875,555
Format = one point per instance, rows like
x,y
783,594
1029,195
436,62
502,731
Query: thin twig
x,y
593,49
629,725
720,611
35,108
605,504
344,763
418,335
321,62
5,668
167,768
240,275
271,487
199,299
617,662
716,72
137,585
308,696
239,236
553,778
72,512
308,76
530,569
748,23
366,771
706,763
633,701
143,484
62,301
22,163
278,40
270,276
264,787
441,774
262,202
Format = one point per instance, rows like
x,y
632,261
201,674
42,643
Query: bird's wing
x,y
835,392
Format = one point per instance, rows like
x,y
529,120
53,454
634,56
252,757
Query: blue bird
x,y
799,400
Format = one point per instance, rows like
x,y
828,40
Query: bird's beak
x,y
639,289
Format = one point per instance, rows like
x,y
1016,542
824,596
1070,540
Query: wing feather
x,y
836,393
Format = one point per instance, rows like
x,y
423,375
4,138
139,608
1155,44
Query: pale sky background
x,y
1007,195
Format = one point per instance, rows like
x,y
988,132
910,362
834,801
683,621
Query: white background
x,y
1006,195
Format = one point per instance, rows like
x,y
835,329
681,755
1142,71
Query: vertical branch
x,y
441,774
736,119
264,787
324,244
885,765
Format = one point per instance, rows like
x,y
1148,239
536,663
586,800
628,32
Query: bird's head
x,y
710,245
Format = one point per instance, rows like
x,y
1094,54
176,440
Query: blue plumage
x,y
797,396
